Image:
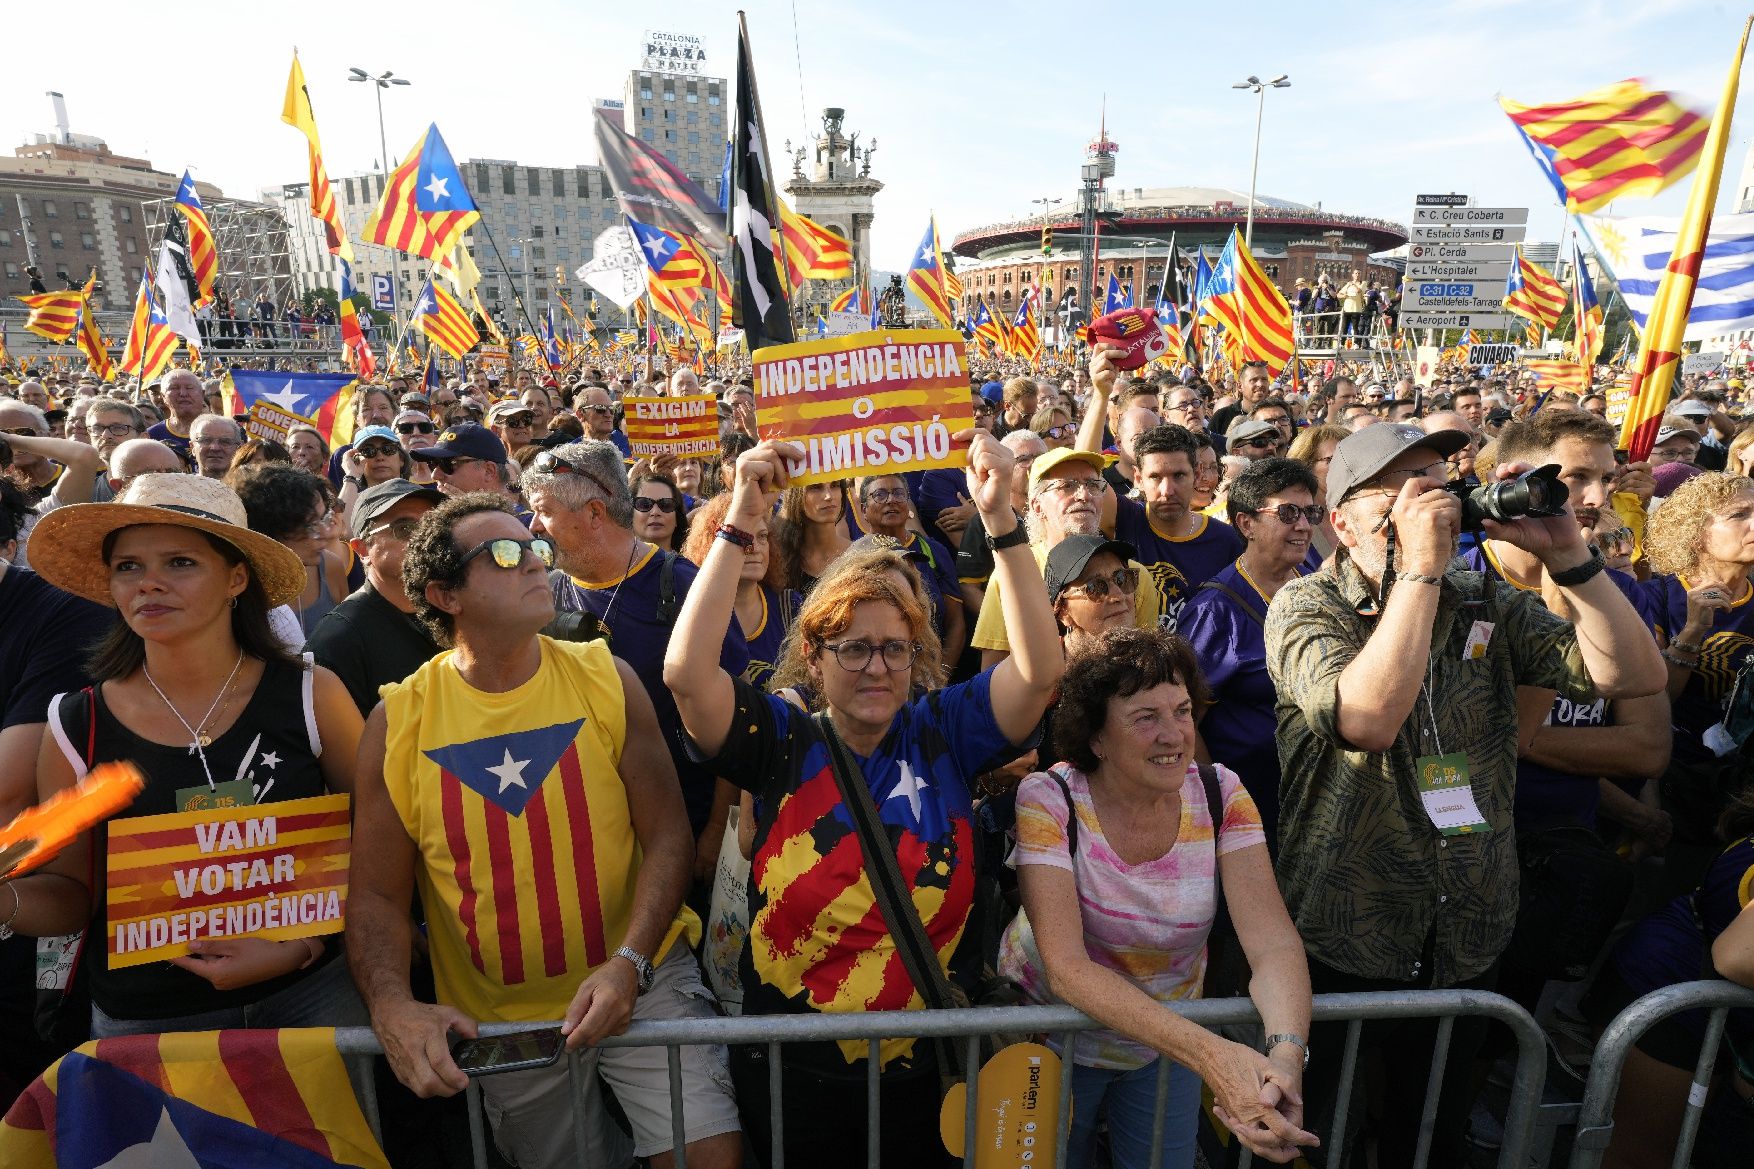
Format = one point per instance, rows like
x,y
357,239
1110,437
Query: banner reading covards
x,y
869,403
275,871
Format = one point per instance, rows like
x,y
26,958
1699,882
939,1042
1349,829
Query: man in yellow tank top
x,y
523,786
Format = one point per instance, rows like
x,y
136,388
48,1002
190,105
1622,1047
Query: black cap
x,y
1067,561
1498,416
1363,454
375,501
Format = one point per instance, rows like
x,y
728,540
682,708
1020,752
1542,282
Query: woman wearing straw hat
x,y
194,688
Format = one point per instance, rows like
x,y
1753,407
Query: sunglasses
x,y
1288,513
23,431
1056,432
1123,580
449,466
525,419
1261,443
377,450
596,409
414,428
549,463
509,553
644,503
402,529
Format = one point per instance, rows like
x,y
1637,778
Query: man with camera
x,y
1397,676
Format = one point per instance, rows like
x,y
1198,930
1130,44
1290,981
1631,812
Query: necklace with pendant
x,y
199,739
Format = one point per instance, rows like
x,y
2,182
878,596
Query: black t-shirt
x,y
44,635
1223,418
368,642
270,745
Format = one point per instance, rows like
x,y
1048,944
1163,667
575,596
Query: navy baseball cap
x,y
465,440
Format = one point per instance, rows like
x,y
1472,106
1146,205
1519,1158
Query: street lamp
x,y
1260,89
382,82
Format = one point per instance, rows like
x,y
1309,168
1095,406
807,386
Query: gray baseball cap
x,y
1363,454
1244,429
375,501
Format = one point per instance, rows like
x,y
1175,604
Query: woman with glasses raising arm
x,y
818,940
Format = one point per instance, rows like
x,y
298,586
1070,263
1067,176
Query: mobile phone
x,y
516,1052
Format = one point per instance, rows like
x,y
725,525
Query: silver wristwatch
x,y
1288,1037
641,965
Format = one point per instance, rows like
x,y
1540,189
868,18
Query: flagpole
x,y
516,299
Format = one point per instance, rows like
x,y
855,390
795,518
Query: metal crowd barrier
x,y
775,1031
1595,1123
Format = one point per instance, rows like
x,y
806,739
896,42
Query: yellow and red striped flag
x,y
1586,315
812,251
1614,142
1531,336
1250,307
297,112
203,252
1025,339
53,315
1568,376
426,207
91,343
927,277
150,339
438,315
1659,353
986,326
1533,293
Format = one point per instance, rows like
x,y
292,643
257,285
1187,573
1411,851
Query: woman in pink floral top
x,y
1116,912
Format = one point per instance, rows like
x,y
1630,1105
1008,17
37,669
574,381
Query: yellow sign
x,y
275,871
866,404
266,420
1017,1109
685,427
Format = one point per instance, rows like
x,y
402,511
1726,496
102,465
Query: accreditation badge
x,y
1448,794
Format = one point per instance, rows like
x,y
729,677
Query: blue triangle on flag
x,y
506,770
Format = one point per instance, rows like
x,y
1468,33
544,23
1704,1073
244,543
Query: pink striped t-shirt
x,y
1148,921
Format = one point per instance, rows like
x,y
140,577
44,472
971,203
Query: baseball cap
x,y
1668,432
415,399
993,392
506,409
1067,561
1056,458
1692,408
375,501
364,433
1363,454
1244,429
1498,416
467,440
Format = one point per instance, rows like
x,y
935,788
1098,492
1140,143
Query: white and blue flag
x,y
1637,249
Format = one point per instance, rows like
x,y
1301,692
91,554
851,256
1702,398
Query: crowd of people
x,y
1192,683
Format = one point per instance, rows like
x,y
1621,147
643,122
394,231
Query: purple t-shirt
x,y
938,489
1240,725
1179,564
1662,601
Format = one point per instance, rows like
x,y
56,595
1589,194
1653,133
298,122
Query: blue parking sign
x,y
383,292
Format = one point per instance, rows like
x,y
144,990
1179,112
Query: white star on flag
x,y
438,188
926,254
656,246
510,772
286,398
166,1150
909,788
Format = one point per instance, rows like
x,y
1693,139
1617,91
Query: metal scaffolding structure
x,y
254,244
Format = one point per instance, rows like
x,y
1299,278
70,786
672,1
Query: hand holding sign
x,y
989,479
761,473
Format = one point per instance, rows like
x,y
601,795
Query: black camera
x,y
1537,493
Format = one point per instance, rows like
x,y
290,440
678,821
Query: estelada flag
x,y
426,206
211,1098
325,398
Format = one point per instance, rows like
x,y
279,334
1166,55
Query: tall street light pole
x,y
380,83
1260,88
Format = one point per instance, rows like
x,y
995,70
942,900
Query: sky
x,y
976,109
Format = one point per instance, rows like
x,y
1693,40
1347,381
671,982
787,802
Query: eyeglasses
x,y
113,429
414,428
1282,421
1191,406
643,503
319,528
1066,430
509,553
1288,513
1124,580
1617,536
377,450
886,495
402,529
1093,487
449,466
214,440
525,419
854,656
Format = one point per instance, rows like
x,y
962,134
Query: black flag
x,y
652,189
758,291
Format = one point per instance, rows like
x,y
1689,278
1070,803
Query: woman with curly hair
x,y
1700,543
808,533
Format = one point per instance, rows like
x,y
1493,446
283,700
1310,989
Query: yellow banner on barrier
x,y
275,871
872,403
684,427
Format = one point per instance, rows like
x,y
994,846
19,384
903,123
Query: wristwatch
x,y
641,965
1288,1037
1017,535
1572,577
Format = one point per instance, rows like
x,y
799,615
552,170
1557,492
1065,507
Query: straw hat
x,y
67,544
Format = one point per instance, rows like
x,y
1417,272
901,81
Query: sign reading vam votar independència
x,y
880,402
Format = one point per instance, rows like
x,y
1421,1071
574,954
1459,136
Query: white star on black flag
x,y
759,302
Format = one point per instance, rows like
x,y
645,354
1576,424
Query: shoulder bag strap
x,y
893,901
1260,618
1214,809
668,607
1071,814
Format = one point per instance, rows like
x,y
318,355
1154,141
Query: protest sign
x,y
493,360
685,427
266,420
870,403
275,871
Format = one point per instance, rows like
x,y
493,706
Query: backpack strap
x,y
1242,603
79,762
1059,777
1215,809
668,606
